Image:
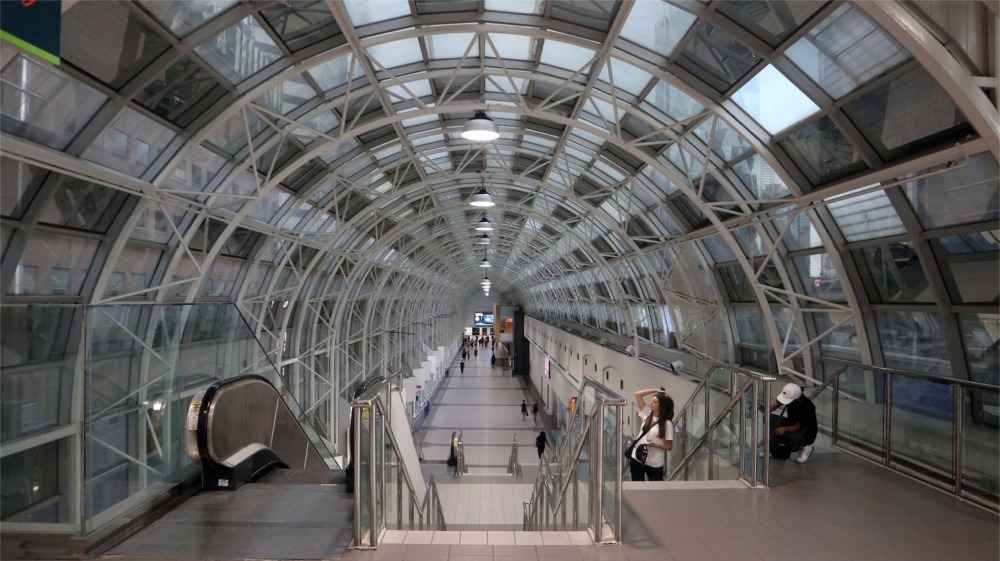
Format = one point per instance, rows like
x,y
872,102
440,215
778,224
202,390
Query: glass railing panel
x,y
720,391
393,488
824,414
378,493
609,475
753,450
922,429
725,457
861,413
583,482
980,442
364,490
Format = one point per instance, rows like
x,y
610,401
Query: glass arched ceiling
x,y
739,173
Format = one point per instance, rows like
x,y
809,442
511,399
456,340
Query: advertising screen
x,y
482,319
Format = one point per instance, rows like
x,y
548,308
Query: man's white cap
x,y
789,393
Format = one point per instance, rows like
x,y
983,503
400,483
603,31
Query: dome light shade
x,y
480,128
482,199
484,225
484,263
483,240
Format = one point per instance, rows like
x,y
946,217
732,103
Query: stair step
x,y
485,537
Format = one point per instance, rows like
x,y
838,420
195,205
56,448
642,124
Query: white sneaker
x,y
805,454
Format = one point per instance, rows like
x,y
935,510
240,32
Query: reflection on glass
x,y
822,152
42,104
845,51
861,412
239,51
914,341
980,457
657,26
922,434
894,273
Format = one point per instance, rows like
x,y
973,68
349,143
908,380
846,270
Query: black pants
x,y
795,441
642,471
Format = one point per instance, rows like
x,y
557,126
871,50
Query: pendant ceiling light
x,y
483,240
482,198
484,225
485,262
480,128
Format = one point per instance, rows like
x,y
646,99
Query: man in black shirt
x,y
796,427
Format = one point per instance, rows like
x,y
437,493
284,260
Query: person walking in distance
x,y
540,442
524,410
534,412
461,367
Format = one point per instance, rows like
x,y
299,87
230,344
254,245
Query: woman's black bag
x,y
631,445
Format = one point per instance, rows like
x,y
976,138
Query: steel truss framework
x,y
324,189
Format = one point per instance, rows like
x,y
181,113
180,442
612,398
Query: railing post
x,y
597,469
754,433
372,479
767,432
887,422
355,455
957,436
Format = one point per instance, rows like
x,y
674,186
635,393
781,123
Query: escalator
x,y
270,489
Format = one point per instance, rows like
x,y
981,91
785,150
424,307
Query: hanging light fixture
x,y
485,262
484,225
482,198
483,240
480,128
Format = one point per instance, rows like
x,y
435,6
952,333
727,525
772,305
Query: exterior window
x,y
59,280
119,143
161,222
142,222
141,153
116,285
24,279
138,282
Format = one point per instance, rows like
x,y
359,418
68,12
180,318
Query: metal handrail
x,y
513,464
371,399
971,384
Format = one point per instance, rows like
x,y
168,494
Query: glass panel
x,y
673,102
181,92
130,144
822,152
908,115
610,482
534,7
893,273
182,16
725,447
336,72
301,24
108,41
363,420
771,21
750,325
866,216
453,45
595,15
717,57
287,96
861,413
81,205
42,104
981,340
563,55
626,77
819,277
922,432
363,12
845,51
136,266
914,341
980,456
964,195
657,26
36,484
773,101
19,182
395,53
240,51
760,179
46,251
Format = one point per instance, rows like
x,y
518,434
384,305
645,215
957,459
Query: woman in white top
x,y
658,437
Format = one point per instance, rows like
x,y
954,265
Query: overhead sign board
x,y
32,25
